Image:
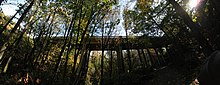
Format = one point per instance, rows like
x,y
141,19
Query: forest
x,y
106,42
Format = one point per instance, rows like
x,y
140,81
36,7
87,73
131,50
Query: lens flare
x,y
193,3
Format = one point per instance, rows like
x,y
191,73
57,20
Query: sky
x,y
9,9
122,4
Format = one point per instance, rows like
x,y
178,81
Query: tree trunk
x,y
14,29
5,26
69,45
7,64
77,40
3,48
30,56
207,49
102,58
1,2
86,67
66,34
128,51
22,17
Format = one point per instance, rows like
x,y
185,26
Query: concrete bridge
x,y
153,45
112,42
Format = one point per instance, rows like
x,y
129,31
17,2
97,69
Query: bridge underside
x,y
112,43
151,50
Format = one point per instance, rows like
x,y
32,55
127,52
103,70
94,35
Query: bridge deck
x,y
113,42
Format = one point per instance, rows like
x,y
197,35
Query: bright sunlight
x,y
193,3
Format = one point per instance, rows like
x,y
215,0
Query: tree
x,y
194,27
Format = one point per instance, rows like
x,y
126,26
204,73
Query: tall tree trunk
x,y
22,17
77,40
14,29
86,67
69,45
66,34
7,64
77,47
206,47
1,2
128,51
2,51
9,21
15,45
46,39
102,58
83,34
82,72
30,56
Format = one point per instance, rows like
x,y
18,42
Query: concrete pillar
x,y
120,59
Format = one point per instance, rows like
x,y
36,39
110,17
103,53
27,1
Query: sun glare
x,y
193,3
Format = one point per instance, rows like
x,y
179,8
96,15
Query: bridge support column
x,y
157,57
151,57
146,62
140,58
120,59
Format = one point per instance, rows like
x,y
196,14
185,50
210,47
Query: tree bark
x,y
5,26
15,28
77,38
102,58
1,2
128,51
22,17
207,48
